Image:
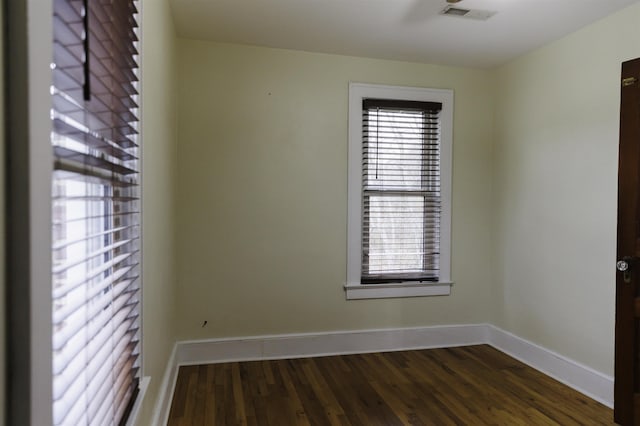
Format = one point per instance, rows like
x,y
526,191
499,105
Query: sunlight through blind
x,y
401,191
96,211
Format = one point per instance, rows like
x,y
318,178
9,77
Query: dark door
x,y
627,369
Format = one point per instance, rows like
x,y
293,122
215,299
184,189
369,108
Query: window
x,y
95,212
399,191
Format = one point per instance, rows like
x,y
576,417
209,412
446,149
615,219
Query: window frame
x,y
354,288
29,163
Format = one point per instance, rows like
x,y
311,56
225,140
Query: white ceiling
x,y
410,30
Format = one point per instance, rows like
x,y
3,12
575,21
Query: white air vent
x,y
477,14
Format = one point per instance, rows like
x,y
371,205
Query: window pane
x,y
394,149
401,194
395,236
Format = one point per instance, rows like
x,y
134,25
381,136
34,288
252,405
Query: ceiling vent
x,y
476,14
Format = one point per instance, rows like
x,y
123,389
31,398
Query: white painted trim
x,y
384,291
358,92
167,388
135,410
28,27
584,379
141,145
323,344
580,377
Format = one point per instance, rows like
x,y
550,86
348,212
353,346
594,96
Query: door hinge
x,y
629,81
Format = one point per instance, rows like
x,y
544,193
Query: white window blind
x,y
401,200
96,211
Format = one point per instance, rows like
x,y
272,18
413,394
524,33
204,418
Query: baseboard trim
x,y
584,379
325,344
580,377
167,388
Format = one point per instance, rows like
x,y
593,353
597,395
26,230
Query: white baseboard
x,y
585,380
323,344
580,377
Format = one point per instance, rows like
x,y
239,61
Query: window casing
x,y
399,220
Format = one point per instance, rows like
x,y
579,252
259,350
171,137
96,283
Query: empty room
x,y
352,212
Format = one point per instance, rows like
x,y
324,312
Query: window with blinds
x,y
96,211
401,203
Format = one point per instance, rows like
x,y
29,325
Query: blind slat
x,y
62,243
393,105
73,348
68,155
66,386
85,218
106,396
62,290
87,365
64,129
95,210
57,269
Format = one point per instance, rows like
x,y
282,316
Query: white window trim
x,y
354,289
28,42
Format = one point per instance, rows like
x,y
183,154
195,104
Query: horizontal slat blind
x,y
96,211
400,191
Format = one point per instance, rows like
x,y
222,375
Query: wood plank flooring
x,y
473,385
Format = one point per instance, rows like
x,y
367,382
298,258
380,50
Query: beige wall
x,y
158,181
262,192
555,183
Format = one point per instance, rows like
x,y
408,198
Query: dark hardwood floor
x,y
473,385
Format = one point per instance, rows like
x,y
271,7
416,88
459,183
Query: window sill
x,y
387,291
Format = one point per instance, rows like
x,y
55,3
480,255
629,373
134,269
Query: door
x,y
627,358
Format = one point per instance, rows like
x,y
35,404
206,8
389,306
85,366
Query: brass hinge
x,y
629,81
